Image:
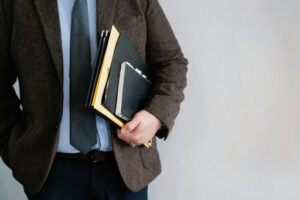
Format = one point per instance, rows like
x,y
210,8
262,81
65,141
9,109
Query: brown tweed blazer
x,y
30,50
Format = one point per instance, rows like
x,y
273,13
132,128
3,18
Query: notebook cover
x,y
133,91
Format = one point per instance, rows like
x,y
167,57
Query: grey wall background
x,y
237,136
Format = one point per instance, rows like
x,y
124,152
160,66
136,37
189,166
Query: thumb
x,y
131,125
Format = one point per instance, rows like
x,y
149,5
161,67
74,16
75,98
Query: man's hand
x,y
140,129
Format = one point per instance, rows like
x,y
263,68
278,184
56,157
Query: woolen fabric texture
x,y
30,49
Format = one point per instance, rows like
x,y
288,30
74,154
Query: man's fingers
x,y
129,138
134,137
131,125
124,137
137,131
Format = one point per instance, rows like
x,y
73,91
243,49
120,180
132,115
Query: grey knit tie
x,y
82,121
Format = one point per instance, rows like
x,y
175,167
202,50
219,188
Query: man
x,y
49,46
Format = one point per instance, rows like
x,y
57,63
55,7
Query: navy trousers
x,y
71,179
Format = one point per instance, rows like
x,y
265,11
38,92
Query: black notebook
x,y
124,52
133,91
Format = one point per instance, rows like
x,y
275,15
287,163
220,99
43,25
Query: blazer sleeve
x,y
170,67
9,102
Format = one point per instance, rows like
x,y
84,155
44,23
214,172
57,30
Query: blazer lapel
x,y
105,14
49,17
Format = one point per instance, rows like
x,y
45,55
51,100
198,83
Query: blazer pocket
x,y
150,156
20,130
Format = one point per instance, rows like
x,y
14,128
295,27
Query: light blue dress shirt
x,y
65,16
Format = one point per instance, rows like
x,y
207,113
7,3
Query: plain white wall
x,y
237,136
